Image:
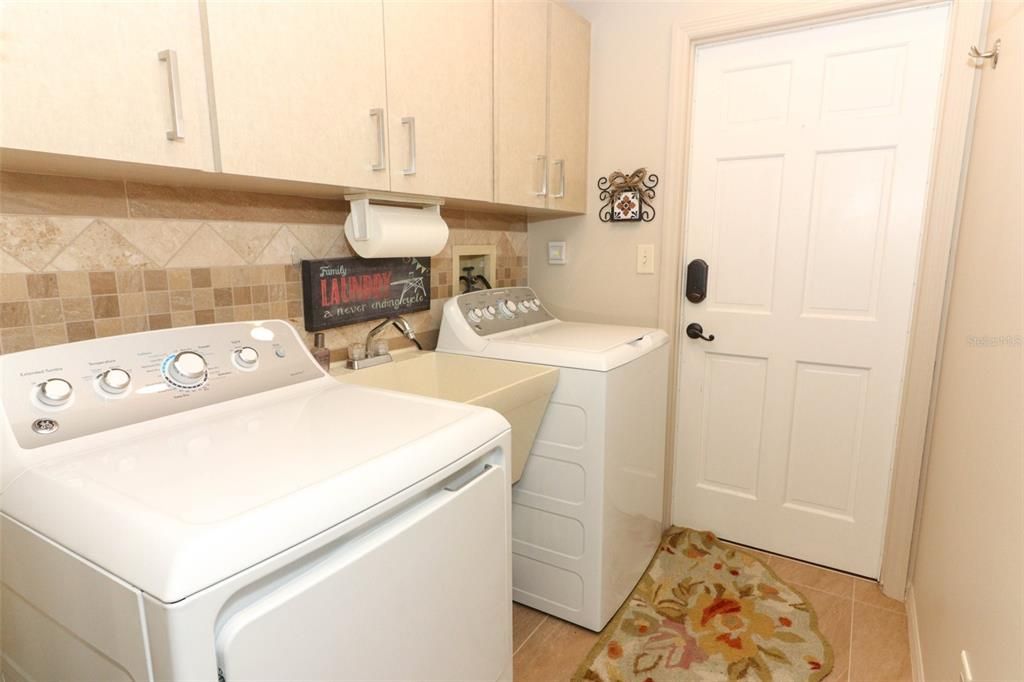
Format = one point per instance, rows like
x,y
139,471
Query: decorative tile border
x,y
158,257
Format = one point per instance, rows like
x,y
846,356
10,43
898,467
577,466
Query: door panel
x,y
86,79
440,75
520,101
807,181
320,69
568,108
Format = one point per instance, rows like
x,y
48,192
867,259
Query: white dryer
x,y
587,512
205,502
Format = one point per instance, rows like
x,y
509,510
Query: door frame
x,y
941,215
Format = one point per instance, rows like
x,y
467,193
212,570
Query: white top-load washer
x,y
206,502
587,512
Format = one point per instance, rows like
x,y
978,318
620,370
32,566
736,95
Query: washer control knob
x,y
247,357
188,369
524,307
489,312
55,392
474,315
506,309
535,304
115,381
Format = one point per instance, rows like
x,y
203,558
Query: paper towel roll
x,y
394,231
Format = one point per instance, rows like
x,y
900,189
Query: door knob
x,y
695,331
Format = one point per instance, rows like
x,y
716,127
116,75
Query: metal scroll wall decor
x,y
627,198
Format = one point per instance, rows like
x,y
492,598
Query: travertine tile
x,y
242,295
80,331
77,309
42,285
317,238
103,282
154,280
105,306
132,304
129,281
55,195
260,293
46,311
109,327
49,335
157,302
179,278
806,575
555,650
881,650
16,339
183,319
202,299
204,317
243,313
15,314
161,321
204,249
222,297
100,247
181,301
247,239
74,284
136,323
192,203
284,248
13,287
36,240
200,278
158,239
224,314
868,592
10,264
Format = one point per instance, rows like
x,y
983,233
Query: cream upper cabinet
x,y
299,90
439,80
108,80
568,108
520,102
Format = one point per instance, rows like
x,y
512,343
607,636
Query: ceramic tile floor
x,y
867,630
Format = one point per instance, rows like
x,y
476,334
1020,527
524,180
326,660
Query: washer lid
x,y
177,504
578,345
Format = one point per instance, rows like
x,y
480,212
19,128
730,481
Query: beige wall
x,y
83,258
629,79
968,579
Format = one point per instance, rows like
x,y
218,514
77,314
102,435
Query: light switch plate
x,y
645,259
557,253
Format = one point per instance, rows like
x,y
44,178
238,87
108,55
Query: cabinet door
x,y
440,102
295,86
520,101
568,108
87,79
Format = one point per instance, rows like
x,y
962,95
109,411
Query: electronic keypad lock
x,y
696,281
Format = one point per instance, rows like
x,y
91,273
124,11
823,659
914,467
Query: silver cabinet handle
x,y
411,122
379,115
543,176
177,131
561,179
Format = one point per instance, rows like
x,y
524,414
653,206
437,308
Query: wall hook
x,y
992,54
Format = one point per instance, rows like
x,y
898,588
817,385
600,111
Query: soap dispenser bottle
x,y
320,352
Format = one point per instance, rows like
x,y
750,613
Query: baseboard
x,y
914,635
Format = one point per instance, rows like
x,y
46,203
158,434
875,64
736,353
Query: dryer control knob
x,y
55,392
246,357
506,309
524,307
115,381
188,369
474,315
535,304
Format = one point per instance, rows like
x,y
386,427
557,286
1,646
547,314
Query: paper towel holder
x,y
361,206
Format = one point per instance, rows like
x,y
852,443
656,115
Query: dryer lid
x,y
577,345
177,504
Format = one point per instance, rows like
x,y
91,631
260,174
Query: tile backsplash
x,y
82,258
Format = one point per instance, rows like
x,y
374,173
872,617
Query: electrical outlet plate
x,y
645,259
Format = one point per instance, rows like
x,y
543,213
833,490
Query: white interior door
x,y
807,184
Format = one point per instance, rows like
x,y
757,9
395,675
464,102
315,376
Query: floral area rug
x,y
707,611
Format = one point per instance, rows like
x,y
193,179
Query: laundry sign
x,y
340,291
